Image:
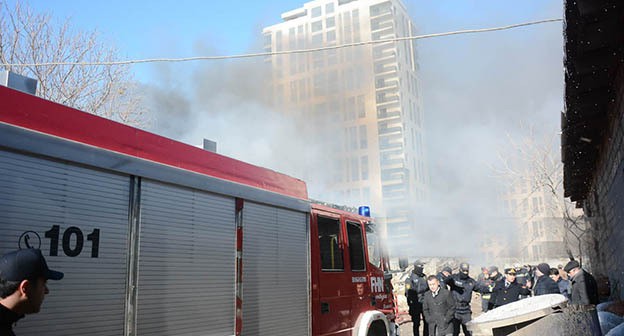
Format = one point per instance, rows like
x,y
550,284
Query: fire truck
x,y
157,237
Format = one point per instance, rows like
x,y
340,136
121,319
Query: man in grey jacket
x,y
439,308
584,286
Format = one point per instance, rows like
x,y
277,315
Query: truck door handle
x,y
324,307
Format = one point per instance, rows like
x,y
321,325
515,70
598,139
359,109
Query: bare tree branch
x,y
32,38
535,161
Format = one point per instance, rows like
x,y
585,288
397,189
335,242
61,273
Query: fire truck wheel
x,y
377,328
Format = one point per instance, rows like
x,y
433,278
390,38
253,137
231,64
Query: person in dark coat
x,y
524,277
483,282
584,286
486,286
563,284
544,284
507,290
23,277
439,308
415,288
462,287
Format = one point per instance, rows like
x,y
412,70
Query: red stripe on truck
x,y
42,115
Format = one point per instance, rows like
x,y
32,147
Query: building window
x,y
332,57
330,22
351,108
316,26
278,41
293,91
317,40
292,39
302,63
535,252
316,12
382,8
364,168
319,84
363,137
302,89
353,138
381,97
355,169
318,64
293,64
535,205
361,107
267,40
331,36
536,232
329,8
356,26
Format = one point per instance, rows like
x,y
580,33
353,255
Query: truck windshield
x,y
374,248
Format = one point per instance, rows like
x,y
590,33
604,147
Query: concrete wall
x,y
605,203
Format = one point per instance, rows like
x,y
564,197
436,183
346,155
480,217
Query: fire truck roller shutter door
x,y
78,217
275,271
186,261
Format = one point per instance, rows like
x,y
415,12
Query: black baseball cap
x,y
571,265
26,264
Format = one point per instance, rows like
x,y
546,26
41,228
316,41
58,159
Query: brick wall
x,y
605,203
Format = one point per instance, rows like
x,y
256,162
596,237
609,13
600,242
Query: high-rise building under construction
x,y
360,103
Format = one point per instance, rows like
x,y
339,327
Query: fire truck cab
x,y
350,294
157,237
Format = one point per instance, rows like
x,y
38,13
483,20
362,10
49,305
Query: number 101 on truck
x,y
156,237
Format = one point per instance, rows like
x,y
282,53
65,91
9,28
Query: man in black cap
x,y
23,277
584,286
507,290
462,287
544,284
415,288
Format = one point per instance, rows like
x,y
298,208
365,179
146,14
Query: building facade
x,y
592,125
537,214
359,104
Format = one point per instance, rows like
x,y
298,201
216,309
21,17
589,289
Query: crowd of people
x,y
442,301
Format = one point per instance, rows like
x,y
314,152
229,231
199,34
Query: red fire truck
x,y
156,237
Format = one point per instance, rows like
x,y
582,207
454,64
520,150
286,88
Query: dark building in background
x,y
593,128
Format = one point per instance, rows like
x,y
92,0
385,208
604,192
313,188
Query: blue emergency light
x,y
364,211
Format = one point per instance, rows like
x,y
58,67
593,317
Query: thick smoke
x,y
230,102
477,90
